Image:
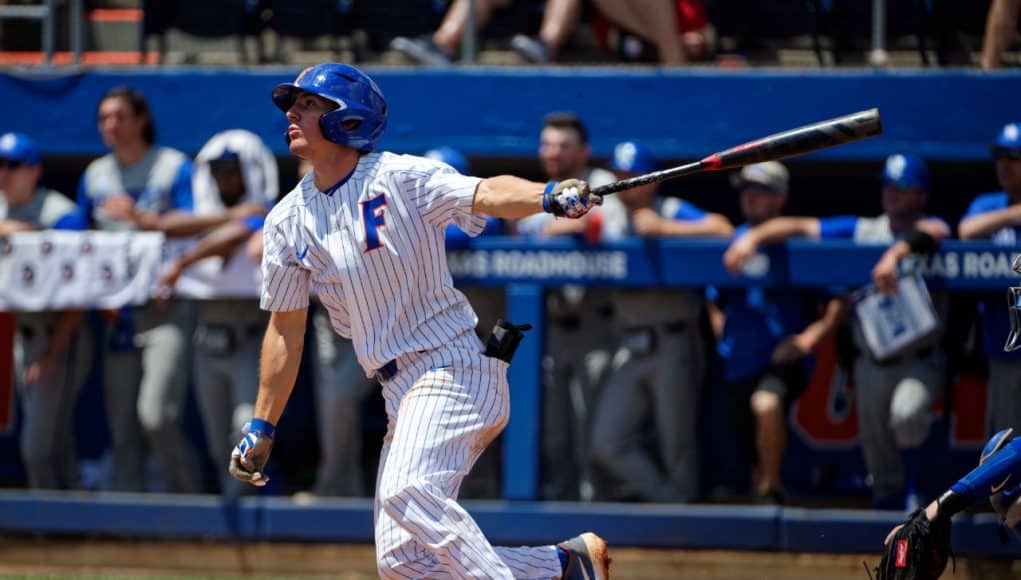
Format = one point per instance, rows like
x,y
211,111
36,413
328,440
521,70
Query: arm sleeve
x,y
85,206
180,194
689,212
444,196
1003,468
254,223
983,204
285,281
841,227
74,220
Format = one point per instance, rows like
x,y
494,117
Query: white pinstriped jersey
x,y
372,249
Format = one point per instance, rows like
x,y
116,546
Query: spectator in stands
x,y
1001,31
766,337
657,372
578,335
997,217
895,396
235,179
51,352
142,186
679,29
438,49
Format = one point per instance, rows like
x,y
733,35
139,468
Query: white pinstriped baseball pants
x,y
443,408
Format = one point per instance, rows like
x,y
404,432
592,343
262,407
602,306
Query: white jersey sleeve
x,y
444,196
285,279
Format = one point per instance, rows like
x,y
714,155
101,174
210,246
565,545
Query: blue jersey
x,y
992,306
757,319
158,182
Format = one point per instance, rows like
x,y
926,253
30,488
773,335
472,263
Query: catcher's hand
x,y
916,550
248,460
569,198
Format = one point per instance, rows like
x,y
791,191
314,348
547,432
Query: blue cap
x,y
19,147
451,157
995,443
1009,137
633,157
906,171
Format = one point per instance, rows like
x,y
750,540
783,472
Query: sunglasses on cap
x,y
1006,153
11,164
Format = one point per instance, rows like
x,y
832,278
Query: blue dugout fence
x,y
525,269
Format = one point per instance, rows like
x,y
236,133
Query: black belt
x,y
387,371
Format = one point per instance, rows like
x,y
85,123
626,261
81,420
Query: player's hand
x,y
792,349
647,222
884,274
738,254
248,460
167,282
120,207
41,369
569,198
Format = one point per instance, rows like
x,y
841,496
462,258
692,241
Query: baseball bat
x,y
814,137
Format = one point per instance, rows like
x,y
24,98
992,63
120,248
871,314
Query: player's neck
x,y
18,198
129,154
330,168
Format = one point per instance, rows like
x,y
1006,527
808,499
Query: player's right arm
x,y
278,366
982,221
771,232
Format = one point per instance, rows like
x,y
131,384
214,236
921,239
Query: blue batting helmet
x,y
19,147
357,97
633,157
451,157
1008,142
906,171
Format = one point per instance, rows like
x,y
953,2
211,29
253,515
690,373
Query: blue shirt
x,y
158,182
758,318
992,305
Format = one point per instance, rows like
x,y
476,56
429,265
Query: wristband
x,y
546,198
920,242
262,426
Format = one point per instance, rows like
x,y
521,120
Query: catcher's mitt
x,y
918,551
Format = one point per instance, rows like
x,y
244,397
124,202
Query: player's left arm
x,y
802,344
508,197
927,235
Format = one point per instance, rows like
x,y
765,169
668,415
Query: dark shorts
x,y
787,382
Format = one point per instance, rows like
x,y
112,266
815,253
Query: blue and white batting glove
x,y
248,460
569,198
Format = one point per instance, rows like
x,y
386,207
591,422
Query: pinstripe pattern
x,y
443,408
390,291
390,300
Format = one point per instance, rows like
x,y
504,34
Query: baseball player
x,y
997,217
919,548
766,339
893,397
142,186
235,176
579,322
657,372
51,353
365,230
